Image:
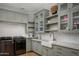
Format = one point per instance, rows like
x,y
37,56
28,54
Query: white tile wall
x,y
67,37
64,37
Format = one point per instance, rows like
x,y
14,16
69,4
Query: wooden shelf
x,y
71,31
30,31
30,27
51,23
30,21
56,29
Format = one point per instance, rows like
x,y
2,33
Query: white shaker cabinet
x,y
40,20
28,45
37,47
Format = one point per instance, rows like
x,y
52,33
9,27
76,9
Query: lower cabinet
x,y
64,51
37,47
44,51
73,52
54,51
28,45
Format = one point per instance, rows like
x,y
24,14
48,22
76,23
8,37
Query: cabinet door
x,y
6,48
74,5
52,51
65,21
73,52
41,27
38,47
63,7
75,19
34,46
44,51
63,51
59,51
28,45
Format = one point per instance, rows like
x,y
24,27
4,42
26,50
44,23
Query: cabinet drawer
x,y
62,51
68,51
74,52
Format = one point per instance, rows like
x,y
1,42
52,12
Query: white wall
x,y
64,37
8,7
67,37
6,15
12,29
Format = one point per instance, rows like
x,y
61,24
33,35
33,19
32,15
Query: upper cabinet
x,y
64,7
64,16
75,16
64,21
40,20
75,5
69,16
12,16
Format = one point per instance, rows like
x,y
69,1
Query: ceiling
x,y
28,7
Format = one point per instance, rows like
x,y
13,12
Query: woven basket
x,y
54,9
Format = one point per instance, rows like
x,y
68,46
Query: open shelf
x,y
52,23
30,27
52,30
54,15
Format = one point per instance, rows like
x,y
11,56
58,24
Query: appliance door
x,y
6,48
20,47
